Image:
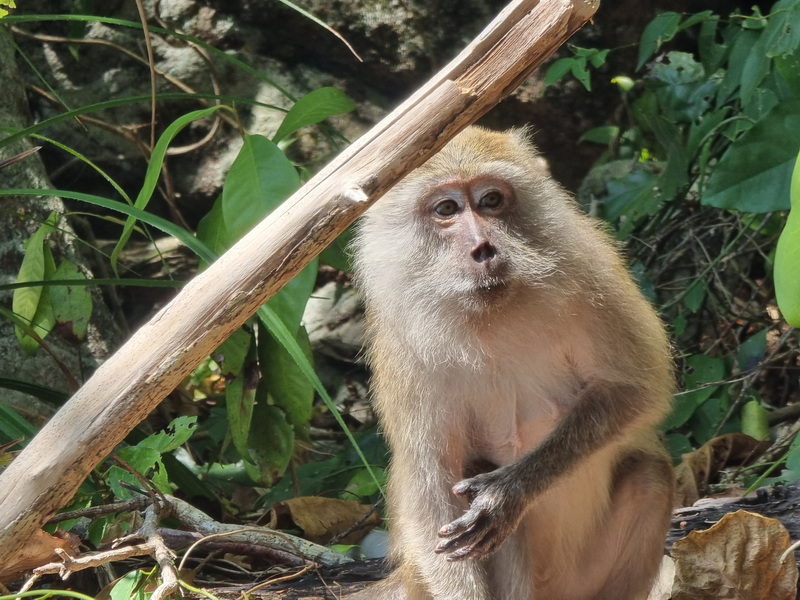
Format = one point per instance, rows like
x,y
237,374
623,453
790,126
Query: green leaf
x,y
581,73
362,485
675,175
661,29
271,443
4,5
601,135
44,393
241,379
708,418
173,436
129,587
14,427
32,304
336,255
598,58
557,70
711,54
752,351
154,171
788,67
702,372
313,108
755,172
682,88
677,444
140,458
755,69
285,382
186,238
740,47
694,19
259,179
240,399
755,420
793,460
72,305
700,132
630,199
787,257
694,296
233,352
211,230
782,35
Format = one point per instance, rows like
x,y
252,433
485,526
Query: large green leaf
x,y
271,442
787,257
32,304
754,173
259,180
285,382
661,29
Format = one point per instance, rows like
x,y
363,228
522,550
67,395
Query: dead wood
x,y
778,502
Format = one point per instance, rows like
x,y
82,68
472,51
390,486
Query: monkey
x,y
520,377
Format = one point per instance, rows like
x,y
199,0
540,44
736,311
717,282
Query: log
x,y
161,353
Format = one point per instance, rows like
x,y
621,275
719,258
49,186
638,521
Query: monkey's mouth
x,y
490,285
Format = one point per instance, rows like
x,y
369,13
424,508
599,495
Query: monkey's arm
x,y
602,413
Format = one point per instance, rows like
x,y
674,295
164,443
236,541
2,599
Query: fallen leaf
x,y
323,518
739,558
39,550
701,467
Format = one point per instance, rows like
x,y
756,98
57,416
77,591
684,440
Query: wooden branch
x,y
133,381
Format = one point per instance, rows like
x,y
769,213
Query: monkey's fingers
x,y
471,536
471,488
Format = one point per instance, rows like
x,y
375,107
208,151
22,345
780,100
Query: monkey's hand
x,y
497,504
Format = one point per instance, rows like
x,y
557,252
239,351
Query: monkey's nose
x,y
483,252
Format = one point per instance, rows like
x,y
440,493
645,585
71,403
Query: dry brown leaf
x,y
700,467
736,559
323,518
39,550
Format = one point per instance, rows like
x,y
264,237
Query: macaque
x,y
520,377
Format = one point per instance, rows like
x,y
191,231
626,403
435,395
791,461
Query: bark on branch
x,y
133,381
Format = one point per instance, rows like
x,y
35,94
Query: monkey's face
x,y
466,221
462,234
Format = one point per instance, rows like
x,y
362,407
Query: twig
x,y
275,580
69,564
259,536
104,509
164,556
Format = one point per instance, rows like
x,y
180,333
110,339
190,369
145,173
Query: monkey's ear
x,y
523,136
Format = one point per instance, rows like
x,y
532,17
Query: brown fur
x,y
512,337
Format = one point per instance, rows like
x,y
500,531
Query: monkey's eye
x,y
446,208
491,199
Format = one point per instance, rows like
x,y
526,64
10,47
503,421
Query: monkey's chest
x,y
511,423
